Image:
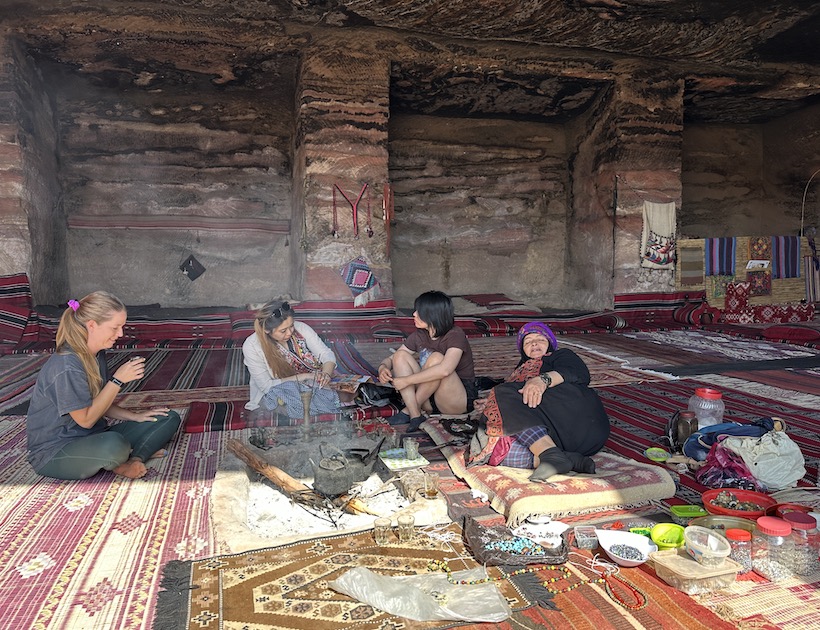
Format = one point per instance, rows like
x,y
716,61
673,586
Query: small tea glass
x,y
430,485
406,527
411,448
382,531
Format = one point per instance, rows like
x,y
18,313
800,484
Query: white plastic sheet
x,y
427,597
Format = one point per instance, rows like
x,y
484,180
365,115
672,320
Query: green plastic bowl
x,y
667,535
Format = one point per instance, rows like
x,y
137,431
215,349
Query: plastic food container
x,y
585,537
705,546
679,570
667,535
721,523
708,406
682,514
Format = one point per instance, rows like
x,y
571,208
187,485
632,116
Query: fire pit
x,y
250,512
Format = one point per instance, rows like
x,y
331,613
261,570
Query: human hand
x,y
385,374
479,404
322,379
152,415
400,382
532,392
131,370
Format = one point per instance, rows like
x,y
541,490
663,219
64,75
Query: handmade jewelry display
x,y
619,589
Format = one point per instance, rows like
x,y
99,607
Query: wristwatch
x,y
546,378
116,381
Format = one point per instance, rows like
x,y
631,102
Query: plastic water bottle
x,y
707,404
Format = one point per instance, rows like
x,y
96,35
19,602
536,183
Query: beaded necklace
x,y
610,580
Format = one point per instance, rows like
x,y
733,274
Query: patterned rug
x,y
618,482
286,588
87,554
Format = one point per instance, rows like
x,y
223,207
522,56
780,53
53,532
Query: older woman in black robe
x,y
545,416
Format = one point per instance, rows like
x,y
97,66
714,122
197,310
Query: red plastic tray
x,y
763,500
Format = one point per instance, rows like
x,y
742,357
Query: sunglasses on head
x,y
280,313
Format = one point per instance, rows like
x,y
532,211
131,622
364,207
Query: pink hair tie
x,y
73,305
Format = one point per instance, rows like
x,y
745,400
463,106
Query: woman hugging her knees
x,y
433,369
68,434
545,416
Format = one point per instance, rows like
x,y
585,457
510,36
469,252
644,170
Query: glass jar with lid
x,y
805,542
741,542
708,406
772,548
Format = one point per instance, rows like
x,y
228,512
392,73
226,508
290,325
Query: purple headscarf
x,y
538,328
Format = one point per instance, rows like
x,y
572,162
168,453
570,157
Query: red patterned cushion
x,y
791,333
13,320
15,290
737,296
610,321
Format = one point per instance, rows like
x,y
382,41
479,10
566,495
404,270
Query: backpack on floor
x,y
698,444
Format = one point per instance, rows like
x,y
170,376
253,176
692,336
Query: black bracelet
x,y
546,378
116,381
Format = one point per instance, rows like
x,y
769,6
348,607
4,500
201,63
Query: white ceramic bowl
x,y
607,538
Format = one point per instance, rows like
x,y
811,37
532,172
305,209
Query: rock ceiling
x,y
742,61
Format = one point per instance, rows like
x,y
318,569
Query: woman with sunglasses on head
x,y
433,365
285,357
68,434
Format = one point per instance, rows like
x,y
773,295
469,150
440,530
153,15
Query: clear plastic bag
x,y
427,597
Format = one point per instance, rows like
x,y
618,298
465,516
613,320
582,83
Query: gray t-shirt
x,y
61,387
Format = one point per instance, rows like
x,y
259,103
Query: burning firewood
x,y
294,488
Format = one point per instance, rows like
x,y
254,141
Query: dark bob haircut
x,y
436,310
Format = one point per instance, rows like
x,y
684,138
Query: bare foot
x,y
133,469
159,454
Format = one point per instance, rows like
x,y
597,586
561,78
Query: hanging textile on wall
x,y
785,256
760,248
720,256
691,266
359,277
658,237
812,280
760,282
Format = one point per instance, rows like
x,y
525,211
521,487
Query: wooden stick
x,y
285,482
276,475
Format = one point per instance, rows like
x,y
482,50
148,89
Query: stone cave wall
x,y
748,180
480,207
184,150
32,225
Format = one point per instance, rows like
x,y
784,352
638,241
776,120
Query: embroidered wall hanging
x,y
360,279
760,283
658,237
717,285
760,248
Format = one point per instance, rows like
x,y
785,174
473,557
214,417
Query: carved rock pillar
x,y
648,120
32,228
341,141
